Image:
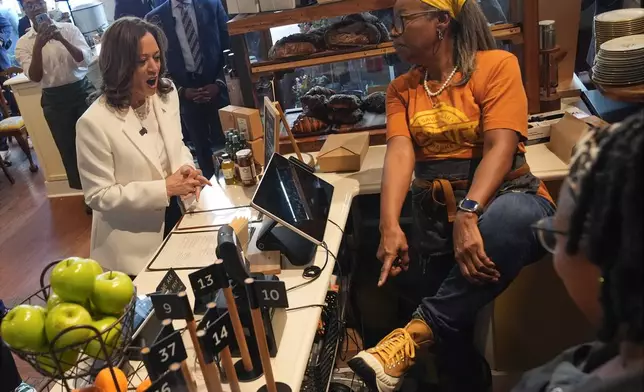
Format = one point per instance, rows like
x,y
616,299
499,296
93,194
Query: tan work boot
x,y
383,367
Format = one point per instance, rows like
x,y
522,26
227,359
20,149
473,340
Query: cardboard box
x,y
242,6
564,134
343,152
257,147
227,118
248,123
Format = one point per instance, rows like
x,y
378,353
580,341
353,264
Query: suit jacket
x,y
123,181
213,39
136,8
6,34
24,24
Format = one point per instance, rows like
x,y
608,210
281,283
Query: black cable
x,y
312,272
338,226
306,306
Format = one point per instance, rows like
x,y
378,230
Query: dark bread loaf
x,y
344,101
307,124
314,106
375,102
319,90
356,30
346,116
297,45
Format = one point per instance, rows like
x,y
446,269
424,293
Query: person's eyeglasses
x,y
547,233
399,20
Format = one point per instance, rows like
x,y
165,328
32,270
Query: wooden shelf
x,y
265,20
322,58
633,94
500,32
315,143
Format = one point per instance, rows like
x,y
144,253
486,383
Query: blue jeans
x,y
450,303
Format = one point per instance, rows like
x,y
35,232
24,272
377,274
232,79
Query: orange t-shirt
x,y
452,126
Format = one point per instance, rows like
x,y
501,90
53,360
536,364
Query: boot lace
x,y
395,347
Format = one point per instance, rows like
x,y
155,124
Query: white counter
x,y
291,360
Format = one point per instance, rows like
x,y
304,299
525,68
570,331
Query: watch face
x,y
469,204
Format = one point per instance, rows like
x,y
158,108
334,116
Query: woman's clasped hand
x,y
185,182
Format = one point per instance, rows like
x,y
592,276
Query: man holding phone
x,y
56,55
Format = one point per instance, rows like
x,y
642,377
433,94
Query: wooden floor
x,y
35,231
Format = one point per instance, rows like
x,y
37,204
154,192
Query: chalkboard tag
x,y
171,381
216,337
166,352
171,283
209,317
171,306
205,286
166,329
271,294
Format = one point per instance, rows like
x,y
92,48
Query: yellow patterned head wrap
x,y
452,6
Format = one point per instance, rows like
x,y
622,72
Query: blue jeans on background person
x,y
450,304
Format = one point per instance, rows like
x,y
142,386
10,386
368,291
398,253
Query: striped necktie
x,y
191,35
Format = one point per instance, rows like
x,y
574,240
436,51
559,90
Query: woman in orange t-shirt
x,y
458,120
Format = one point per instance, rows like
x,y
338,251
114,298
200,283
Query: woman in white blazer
x,y
132,161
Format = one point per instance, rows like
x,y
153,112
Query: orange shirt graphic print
x,y
444,132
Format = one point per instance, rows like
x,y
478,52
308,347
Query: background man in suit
x,y
197,35
138,8
6,36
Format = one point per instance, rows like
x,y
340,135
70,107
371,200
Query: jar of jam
x,y
246,165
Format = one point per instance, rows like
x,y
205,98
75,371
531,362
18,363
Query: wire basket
x,y
80,362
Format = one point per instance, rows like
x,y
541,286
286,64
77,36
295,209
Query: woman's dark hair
x,y
610,216
119,59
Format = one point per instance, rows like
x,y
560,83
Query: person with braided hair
x,y
596,240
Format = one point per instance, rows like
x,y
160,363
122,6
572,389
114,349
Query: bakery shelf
x,y
323,58
247,23
500,32
315,143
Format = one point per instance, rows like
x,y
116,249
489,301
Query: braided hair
x,y
609,217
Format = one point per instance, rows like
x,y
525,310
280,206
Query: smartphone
x,y
42,19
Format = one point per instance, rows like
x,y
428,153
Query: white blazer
x,y
123,181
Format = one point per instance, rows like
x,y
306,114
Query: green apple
x,y
53,300
113,290
97,267
73,279
110,338
67,361
23,328
64,316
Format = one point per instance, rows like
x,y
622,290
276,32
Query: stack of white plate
x,y
620,62
618,23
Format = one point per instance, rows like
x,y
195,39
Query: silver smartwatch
x,y
469,205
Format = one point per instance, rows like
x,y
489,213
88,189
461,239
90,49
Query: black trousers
x,y
172,215
201,121
9,377
62,107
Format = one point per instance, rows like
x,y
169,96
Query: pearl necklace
x,y
442,88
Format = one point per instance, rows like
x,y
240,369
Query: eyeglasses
x,y
399,20
547,233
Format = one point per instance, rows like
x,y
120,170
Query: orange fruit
x,y
144,385
105,382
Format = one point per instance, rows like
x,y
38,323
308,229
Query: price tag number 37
x,y
167,352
